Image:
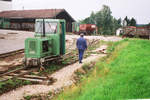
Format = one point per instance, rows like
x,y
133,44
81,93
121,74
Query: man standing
x,y
82,46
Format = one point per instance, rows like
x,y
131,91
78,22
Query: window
x,y
50,27
39,27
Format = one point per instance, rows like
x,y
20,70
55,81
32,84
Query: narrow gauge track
x,y
11,53
23,73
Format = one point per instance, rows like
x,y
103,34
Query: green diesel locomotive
x,y
48,42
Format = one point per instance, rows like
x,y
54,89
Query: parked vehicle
x,y
87,29
138,31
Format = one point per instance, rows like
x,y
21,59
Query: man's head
x,y
82,35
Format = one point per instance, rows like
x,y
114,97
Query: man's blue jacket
x,y
81,43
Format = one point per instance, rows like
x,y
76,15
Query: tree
x,y
132,22
92,18
119,21
107,19
89,20
127,21
105,22
85,21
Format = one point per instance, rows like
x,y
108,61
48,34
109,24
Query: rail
x,y
11,53
23,73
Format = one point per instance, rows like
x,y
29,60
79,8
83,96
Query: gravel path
x,y
63,76
71,39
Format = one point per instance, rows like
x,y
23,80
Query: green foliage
x,y
89,20
105,22
26,82
129,22
34,97
86,67
123,75
86,21
133,22
50,69
27,97
12,84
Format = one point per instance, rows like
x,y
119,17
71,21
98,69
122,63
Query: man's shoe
x,y
80,62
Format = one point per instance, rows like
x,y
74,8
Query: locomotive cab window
x,y
50,27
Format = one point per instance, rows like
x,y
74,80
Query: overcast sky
x,y
80,9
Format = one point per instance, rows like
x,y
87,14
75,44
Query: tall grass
x,y
124,74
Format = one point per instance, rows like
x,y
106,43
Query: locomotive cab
x,y
48,41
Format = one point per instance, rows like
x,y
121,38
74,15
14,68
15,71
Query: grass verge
x,y
123,74
12,84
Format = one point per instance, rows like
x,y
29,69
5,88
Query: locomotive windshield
x,y
50,27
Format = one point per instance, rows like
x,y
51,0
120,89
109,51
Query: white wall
x,y
119,31
5,5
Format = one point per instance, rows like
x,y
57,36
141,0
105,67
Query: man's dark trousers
x,y
81,52
81,45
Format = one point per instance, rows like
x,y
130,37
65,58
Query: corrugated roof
x,y
42,13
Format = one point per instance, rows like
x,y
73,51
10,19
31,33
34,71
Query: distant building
x,y
119,31
25,19
5,5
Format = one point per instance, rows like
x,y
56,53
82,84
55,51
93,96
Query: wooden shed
x,y
25,19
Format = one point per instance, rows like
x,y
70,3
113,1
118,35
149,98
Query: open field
x,y
124,74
